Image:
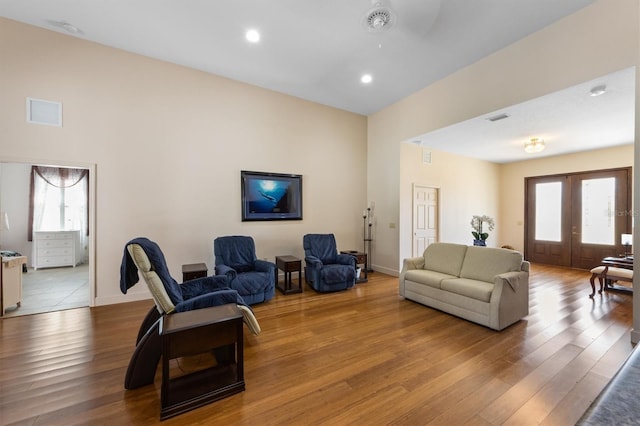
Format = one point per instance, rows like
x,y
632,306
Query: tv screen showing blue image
x,y
271,196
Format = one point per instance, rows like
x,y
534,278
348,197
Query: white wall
x,y
14,199
559,56
168,144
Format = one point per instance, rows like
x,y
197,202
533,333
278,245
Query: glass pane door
x,y
548,220
598,211
577,219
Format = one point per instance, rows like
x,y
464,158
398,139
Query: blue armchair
x,y
253,278
325,269
143,257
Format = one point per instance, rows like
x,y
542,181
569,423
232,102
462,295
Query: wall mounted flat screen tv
x,y
271,196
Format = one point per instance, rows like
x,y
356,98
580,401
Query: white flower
x,y
477,223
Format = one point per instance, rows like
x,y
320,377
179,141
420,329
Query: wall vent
x,y
498,117
44,112
426,156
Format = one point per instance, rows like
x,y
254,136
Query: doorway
x,y
425,218
576,220
47,289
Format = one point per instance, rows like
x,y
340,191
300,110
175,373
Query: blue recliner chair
x,y
253,278
144,257
325,269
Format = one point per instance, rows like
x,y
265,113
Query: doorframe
x,y
92,167
630,184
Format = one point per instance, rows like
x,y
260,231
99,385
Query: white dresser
x,y
56,248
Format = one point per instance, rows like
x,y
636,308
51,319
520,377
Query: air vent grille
x,y
498,117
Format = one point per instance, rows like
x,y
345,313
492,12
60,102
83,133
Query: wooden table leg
x,y
593,285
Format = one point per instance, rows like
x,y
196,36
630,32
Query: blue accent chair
x,y
254,279
144,257
325,269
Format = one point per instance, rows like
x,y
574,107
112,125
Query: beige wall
x,y
168,144
466,187
512,177
593,42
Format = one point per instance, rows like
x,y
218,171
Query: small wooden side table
x,y
197,332
361,259
192,271
289,264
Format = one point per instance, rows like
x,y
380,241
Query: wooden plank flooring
x,y
363,356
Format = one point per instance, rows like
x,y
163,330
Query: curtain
x,y
59,200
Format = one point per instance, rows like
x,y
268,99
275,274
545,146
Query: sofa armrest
x,y
313,261
509,304
226,270
346,259
407,265
264,266
413,263
199,286
513,279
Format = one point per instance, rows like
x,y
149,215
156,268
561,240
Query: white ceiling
x,y
318,50
315,50
569,121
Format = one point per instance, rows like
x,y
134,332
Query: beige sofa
x,y
489,286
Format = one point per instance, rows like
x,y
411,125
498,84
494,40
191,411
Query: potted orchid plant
x,y
479,225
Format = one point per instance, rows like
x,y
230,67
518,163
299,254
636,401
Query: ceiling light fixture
x,y
366,78
598,90
534,145
253,36
378,19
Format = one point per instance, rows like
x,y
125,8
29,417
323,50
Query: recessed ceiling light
x,y
366,78
598,90
253,36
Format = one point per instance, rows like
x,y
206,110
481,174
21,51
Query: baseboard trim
x,y
129,297
388,271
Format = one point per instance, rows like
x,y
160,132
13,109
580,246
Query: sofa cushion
x,y
484,263
444,257
430,278
479,290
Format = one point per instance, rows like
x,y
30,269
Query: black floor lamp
x,y
366,232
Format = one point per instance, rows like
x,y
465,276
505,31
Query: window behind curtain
x,y
59,200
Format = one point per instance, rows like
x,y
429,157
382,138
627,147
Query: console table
x,y
289,264
624,262
197,332
612,270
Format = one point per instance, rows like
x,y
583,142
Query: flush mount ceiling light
x,y
598,90
534,145
378,19
366,78
253,36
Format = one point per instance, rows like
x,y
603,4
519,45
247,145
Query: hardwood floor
x,y
363,356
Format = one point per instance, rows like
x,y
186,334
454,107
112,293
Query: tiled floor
x,y
53,289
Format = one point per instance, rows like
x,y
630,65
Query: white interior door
x,y
425,217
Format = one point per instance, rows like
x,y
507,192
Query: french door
x,y
577,219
